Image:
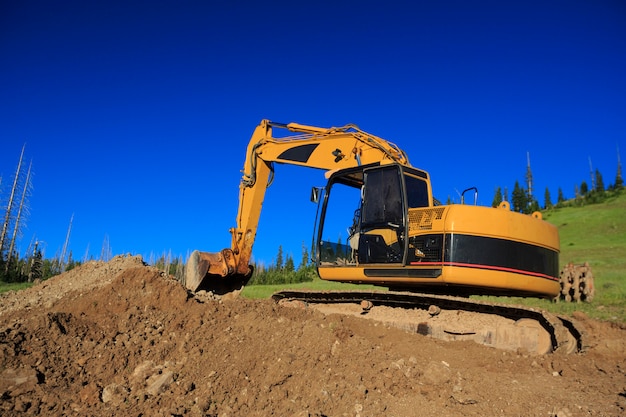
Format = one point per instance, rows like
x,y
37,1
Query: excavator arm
x,y
328,149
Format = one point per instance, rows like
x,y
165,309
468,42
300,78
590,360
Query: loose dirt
x,y
119,338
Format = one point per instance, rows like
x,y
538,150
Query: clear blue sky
x,y
136,114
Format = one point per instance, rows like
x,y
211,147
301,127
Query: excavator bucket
x,y
214,272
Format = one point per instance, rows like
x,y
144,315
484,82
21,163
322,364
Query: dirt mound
x,y
122,339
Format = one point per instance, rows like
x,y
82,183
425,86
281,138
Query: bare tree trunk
x,y
180,269
86,256
65,244
167,260
105,254
20,210
7,218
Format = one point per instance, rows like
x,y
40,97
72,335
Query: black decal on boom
x,y
300,153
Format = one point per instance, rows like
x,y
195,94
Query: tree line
x,y
523,200
283,270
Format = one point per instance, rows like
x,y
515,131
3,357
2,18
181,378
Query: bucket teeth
x,y
214,272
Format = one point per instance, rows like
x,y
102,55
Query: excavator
x,y
378,223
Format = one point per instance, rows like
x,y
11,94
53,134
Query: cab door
x,y
383,222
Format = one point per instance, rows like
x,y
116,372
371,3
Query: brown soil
x,y
122,339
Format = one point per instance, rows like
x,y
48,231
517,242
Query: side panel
x,y
501,254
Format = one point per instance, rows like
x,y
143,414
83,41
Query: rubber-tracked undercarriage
x,y
501,326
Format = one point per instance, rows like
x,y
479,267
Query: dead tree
x,y
18,219
529,178
86,256
180,269
7,218
105,254
65,245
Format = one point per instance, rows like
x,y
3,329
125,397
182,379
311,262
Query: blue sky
x,y
136,114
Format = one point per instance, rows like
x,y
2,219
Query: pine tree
x,y
519,198
305,257
619,181
599,182
497,198
593,185
584,188
36,265
71,263
289,265
279,258
532,206
560,197
547,199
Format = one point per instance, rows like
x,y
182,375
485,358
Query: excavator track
x,y
534,330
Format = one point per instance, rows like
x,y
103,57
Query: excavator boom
x,y
328,149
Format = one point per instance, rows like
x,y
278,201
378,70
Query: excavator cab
x,y
377,231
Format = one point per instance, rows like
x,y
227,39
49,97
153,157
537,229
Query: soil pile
x,y
119,338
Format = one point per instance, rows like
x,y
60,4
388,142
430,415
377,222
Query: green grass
x,y
13,286
597,234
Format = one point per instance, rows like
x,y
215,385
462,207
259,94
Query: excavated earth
x,y
120,338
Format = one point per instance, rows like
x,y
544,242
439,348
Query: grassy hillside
x,y
596,234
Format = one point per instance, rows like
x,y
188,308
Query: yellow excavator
x,y
392,232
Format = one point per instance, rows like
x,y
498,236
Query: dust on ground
x,y
120,338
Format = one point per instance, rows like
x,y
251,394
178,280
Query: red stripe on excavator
x,y
489,267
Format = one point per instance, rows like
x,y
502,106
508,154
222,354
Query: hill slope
x,y
596,234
